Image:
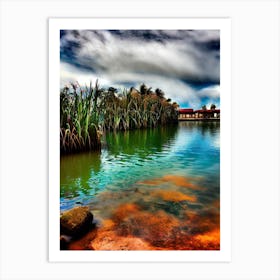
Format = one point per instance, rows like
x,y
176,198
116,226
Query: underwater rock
x,y
76,221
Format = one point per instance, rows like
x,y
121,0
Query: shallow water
x,y
155,189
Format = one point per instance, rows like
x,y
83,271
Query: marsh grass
x,y
86,112
79,119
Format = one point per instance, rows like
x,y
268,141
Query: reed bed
x,y
86,112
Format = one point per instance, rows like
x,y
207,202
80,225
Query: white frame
x,y
224,254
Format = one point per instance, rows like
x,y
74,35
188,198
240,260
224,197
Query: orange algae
x,y
180,181
129,221
134,229
155,228
75,246
109,240
212,236
216,203
131,228
177,180
126,210
108,224
208,240
174,196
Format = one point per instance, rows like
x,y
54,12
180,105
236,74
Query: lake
x,y
153,189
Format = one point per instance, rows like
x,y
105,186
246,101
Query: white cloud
x,y
106,53
72,74
118,60
173,88
211,92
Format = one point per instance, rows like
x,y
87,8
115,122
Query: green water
x,y
189,149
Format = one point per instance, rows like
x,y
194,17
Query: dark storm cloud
x,y
178,61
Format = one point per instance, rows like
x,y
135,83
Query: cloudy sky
x,y
185,64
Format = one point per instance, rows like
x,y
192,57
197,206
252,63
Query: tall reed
x,y
87,111
79,118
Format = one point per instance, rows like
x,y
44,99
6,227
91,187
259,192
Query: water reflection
x,y
140,142
124,156
190,149
76,177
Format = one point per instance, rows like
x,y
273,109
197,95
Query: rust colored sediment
x,y
174,196
154,218
176,180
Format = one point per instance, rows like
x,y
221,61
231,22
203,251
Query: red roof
x,y
208,111
189,111
185,111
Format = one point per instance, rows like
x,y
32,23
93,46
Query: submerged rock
x,y
76,221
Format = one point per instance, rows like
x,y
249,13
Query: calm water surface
x,y
169,172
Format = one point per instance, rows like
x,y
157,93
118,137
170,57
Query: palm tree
x,y
149,90
159,93
143,89
213,107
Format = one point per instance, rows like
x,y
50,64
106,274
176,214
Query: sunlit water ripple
x,y
191,149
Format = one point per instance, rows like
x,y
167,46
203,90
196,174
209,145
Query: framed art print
x,y
139,139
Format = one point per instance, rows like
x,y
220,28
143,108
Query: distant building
x,y
190,114
186,113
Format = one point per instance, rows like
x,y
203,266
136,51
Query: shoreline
x,y
197,119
